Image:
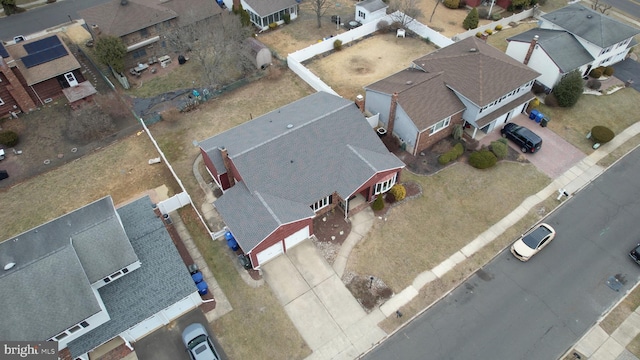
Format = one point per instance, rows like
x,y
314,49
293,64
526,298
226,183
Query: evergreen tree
x,y
569,89
472,20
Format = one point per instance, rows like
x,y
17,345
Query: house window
x,y
1,102
74,329
384,186
139,53
439,125
362,14
84,324
61,336
321,204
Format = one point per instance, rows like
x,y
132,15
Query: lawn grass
x,y
258,327
457,204
612,111
620,151
499,39
439,287
185,76
611,322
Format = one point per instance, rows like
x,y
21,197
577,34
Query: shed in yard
x,y
259,53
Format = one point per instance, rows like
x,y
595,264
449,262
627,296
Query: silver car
x,y
198,343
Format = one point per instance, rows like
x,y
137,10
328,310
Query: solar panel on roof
x,y
43,44
44,56
3,51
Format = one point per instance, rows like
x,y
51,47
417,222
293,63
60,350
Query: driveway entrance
x,y
321,308
556,155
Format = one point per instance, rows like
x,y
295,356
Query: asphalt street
x,y
538,309
626,6
43,17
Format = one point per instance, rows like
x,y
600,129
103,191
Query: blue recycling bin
x,y
231,241
536,115
203,288
197,277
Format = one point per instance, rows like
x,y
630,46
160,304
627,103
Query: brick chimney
x,y
236,4
392,113
227,165
532,46
360,102
18,93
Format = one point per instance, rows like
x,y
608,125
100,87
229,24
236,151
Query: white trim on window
x,y
321,204
1,102
384,186
439,125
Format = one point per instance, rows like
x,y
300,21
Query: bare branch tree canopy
x,y
319,7
598,6
404,12
217,44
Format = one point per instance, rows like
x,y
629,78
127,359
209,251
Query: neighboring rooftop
x,y
590,25
266,7
561,46
372,5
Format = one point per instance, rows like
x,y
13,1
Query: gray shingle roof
x,y
424,96
118,20
329,147
476,70
591,25
372,5
83,246
562,47
266,7
161,281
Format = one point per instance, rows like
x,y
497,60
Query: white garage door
x,y
270,252
146,326
296,238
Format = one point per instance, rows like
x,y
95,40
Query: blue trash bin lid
x,y
202,287
197,277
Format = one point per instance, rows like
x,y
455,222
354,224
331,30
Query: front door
x,y
71,79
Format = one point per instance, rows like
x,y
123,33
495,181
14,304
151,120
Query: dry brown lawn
x,y
499,39
372,59
457,205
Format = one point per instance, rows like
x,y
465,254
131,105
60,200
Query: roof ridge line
x,y
263,201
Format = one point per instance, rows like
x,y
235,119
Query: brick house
x,y
36,71
469,83
93,275
572,38
281,170
142,24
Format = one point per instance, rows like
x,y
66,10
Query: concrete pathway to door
x,y
329,318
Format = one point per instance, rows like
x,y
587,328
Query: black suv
x,y
635,254
525,138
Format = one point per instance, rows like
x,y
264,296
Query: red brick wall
x,y
366,190
425,140
15,89
48,89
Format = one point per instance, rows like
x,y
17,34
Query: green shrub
x,y
478,34
383,26
8,138
378,203
489,31
398,191
595,73
463,4
287,18
482,159
569,89
496,17
273,25
594,84
337,45
608,71
444,158
458,149
498,27
602,134
483,13
451,4
457,132
472,20
390,198
499,149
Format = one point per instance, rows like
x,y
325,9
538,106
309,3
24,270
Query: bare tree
x,y
403,12
434,10
218,44
319,7
598,6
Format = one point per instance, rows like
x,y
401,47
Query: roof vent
x,y
290,126
124,2
409,82
9,266
589,16
473,50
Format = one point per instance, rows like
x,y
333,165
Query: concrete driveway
x,y
556,155
628,69
166,342
329,318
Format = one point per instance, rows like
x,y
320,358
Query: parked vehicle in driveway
x,y
198,343
526,139
532,242
635,254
